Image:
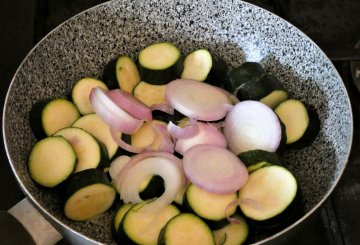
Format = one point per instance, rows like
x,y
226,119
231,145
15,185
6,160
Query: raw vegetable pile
x,y
191,146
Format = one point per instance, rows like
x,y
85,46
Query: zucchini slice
x,y
117,220
160,63
152,187
150,94
139,227
121,72
146,134
48,116
246,72
88,150
266,89
272,189
80,93
209,206
88,194
197,65
232,234
301,122
186,228
93,124
255,156
51,161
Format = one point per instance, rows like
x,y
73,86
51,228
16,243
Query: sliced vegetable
x,y
121,72
88,194
188,131
117,165
130,104
267,89
232,234
197,65
209,206
214,169
148,135
160,63
246,72
251,125
197,100
113,115
207,134
150,94
302,124
273,188
141,227
163,164
255,156
93,124
48,116
186,228
51,161
88,150
80,93
117,221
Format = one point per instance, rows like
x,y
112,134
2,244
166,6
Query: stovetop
x,y
334,25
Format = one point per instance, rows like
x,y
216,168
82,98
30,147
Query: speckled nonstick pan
x,y
235,30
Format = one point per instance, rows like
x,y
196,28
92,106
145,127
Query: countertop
x,y
24,23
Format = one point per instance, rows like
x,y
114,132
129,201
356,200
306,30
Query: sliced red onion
x,y
197,100
130,104
163,107
177,132
117,164
130,148
214,169
166,145
111,114
207,134
231,96
140,167
251,125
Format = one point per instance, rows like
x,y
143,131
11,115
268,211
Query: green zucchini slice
x,y
266,89
93,124
271,190
48,116
150,94
139,227
80,93
160,63
51,161
232,234
117,220
301,122
197,65
121,72
255,156
88,194
209,206
88,150
186,228
246,72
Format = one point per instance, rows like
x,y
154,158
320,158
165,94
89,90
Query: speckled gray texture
x,y
235,30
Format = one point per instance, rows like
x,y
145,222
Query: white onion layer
x,y
251,125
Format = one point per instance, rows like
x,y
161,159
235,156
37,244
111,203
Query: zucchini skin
x,y
246,72
155,188
162,77
256,156
35,116
218,72
84,178
109,74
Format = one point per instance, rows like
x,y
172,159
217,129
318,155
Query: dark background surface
x,y
333,24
